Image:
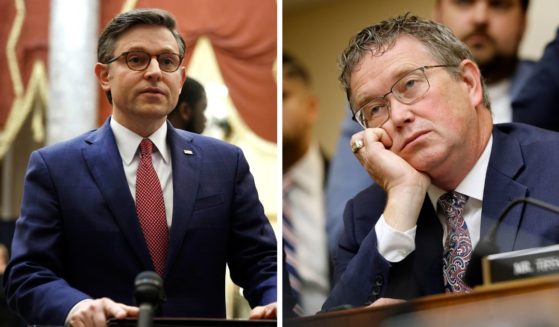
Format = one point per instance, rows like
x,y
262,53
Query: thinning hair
x,y
376,39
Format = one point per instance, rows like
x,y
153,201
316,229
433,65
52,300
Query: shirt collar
x,y
473,184
128,141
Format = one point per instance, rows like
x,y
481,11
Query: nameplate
x,y
520,264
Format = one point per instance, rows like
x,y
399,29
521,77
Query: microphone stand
x,y
487,246
149,293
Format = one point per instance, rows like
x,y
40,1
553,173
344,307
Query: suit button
x,y
376,291
379,280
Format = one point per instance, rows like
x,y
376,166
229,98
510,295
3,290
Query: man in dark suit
x,y
443,173
97,210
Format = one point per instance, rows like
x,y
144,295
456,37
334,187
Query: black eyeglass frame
x,y
423,69
126,53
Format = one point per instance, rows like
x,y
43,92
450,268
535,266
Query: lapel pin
x,y
188,152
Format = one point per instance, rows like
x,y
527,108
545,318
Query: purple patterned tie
x,y
458,245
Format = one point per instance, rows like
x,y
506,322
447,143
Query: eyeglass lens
x,y
406,90
139,60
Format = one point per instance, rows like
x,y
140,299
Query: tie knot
x,y
452,202
146,147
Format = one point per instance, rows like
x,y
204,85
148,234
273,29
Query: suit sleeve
x,y
34,279
360,271
252,256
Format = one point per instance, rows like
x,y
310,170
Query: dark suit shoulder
x,y
66,148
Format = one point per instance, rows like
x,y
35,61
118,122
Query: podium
x,y
194,322
530,302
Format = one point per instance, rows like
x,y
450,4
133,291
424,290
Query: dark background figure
x,y
189,114
541,90
304,175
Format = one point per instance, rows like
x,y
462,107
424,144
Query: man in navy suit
x,y
79,244
492,30
443,173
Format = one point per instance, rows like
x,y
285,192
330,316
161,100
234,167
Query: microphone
x,y
148,292
488,245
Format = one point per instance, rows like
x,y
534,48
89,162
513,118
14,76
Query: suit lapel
x,y
105,164
501,188
186,160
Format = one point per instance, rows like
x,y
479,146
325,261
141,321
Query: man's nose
x,y
480,12
400,114
153,70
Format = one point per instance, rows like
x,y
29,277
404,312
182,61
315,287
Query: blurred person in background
x,y
542,88
189,114
304,173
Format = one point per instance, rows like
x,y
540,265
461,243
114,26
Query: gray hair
x,y
379,38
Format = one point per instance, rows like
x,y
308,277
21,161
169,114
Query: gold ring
x,y
355,146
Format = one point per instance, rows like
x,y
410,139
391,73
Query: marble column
x,y
73,92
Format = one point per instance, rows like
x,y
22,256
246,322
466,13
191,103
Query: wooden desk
x,y
531,302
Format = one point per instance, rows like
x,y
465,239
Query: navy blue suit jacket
x,y
78,235
523,163
537,102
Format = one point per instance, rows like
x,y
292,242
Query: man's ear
x,y
471,76
102,73
183,76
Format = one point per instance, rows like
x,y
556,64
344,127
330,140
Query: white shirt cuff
x,y
394,245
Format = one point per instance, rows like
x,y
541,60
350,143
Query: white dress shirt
x,y
128,144
394,245
306,203
501,107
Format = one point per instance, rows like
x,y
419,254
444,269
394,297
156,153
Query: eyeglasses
x,y
139,60
407,90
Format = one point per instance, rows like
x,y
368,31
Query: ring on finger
x,y
356,145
